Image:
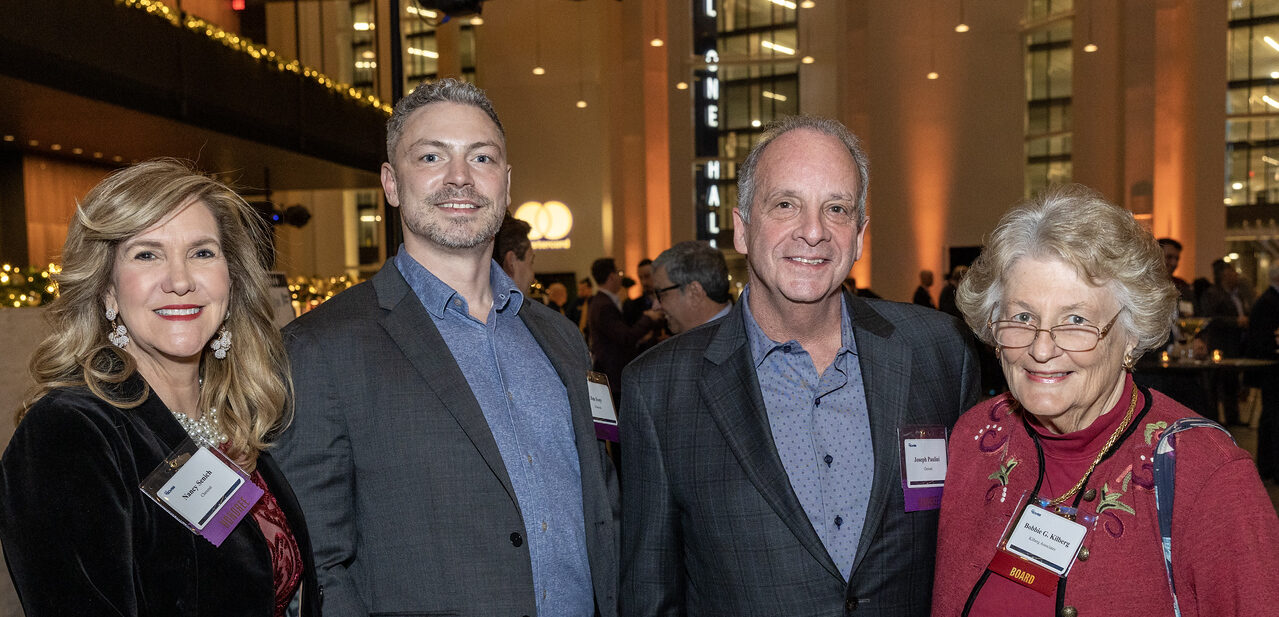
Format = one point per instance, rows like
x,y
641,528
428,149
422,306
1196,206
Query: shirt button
x,y
786,348
517,539
1069,611
543,526
530,458
829,459
1083,554
817,402
839,521
1089,495
850,605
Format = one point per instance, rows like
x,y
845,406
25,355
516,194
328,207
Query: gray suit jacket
x,y
410,506
711,525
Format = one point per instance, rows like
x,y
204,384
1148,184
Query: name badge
x,y
602,406
1040,545
923,465
202,489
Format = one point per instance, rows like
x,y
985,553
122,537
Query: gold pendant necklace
x,y
1100,455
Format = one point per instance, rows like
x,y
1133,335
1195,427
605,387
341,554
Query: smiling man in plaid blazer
x,y
761,474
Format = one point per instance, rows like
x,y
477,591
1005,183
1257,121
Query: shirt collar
x,y
435,294
761,345
612,296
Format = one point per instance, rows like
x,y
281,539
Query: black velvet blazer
x,y
80,538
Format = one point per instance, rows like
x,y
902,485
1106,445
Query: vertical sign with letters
x,y
706,124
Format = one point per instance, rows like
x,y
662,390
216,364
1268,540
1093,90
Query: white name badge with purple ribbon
x,y
203,489
923,465
602,406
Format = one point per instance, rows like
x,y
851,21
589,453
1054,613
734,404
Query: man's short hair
x,y
1169,242
512,236
786,124
446,90
602,268
1218,270
691,261
586,281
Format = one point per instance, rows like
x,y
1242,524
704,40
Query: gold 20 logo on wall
x,y
551,221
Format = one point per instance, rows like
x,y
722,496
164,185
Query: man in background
x,y
613,341
1172,258
1263,326
557,297
513,251
922,296
1229,316
690,285
633,308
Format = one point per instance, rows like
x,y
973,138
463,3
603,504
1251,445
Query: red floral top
x,y
286,558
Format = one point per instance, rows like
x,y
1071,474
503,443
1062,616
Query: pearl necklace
x,y
205,431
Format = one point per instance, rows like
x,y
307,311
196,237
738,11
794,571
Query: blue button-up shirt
x,y
526,406
821,428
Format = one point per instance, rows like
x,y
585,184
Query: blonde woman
x,y
162,332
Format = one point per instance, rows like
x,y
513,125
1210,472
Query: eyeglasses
x,y
657,293
1068,337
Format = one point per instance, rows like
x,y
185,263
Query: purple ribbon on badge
x,y
606,431
922,498
223,519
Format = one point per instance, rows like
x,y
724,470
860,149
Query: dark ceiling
x,y
32,112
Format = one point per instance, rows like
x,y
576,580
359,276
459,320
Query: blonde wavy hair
x,y
251,387
1104,244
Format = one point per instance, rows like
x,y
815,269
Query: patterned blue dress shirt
x,y
526,406
821,428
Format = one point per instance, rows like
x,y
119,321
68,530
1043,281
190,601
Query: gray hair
x,y
447,90
1102,242
786,124
691,261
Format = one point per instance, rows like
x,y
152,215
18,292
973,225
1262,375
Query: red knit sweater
x,y
1225,532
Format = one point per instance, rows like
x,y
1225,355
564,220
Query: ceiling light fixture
x,y
1090,47
657,27
537,39
962,26
777,47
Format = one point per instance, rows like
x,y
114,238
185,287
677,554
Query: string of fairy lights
x,y
260,53
32,287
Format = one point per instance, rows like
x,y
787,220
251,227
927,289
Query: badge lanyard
x,y
203,489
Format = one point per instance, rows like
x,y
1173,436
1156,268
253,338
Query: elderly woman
x,y
162,333
1049,507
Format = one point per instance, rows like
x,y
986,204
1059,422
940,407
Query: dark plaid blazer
x,y
710,524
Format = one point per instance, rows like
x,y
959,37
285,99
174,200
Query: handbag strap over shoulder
x,y
1165,461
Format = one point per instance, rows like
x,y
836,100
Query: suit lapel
x,y
731,391
410,326
885,366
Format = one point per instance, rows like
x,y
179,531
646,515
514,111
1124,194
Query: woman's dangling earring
x,y
221,344
118,334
